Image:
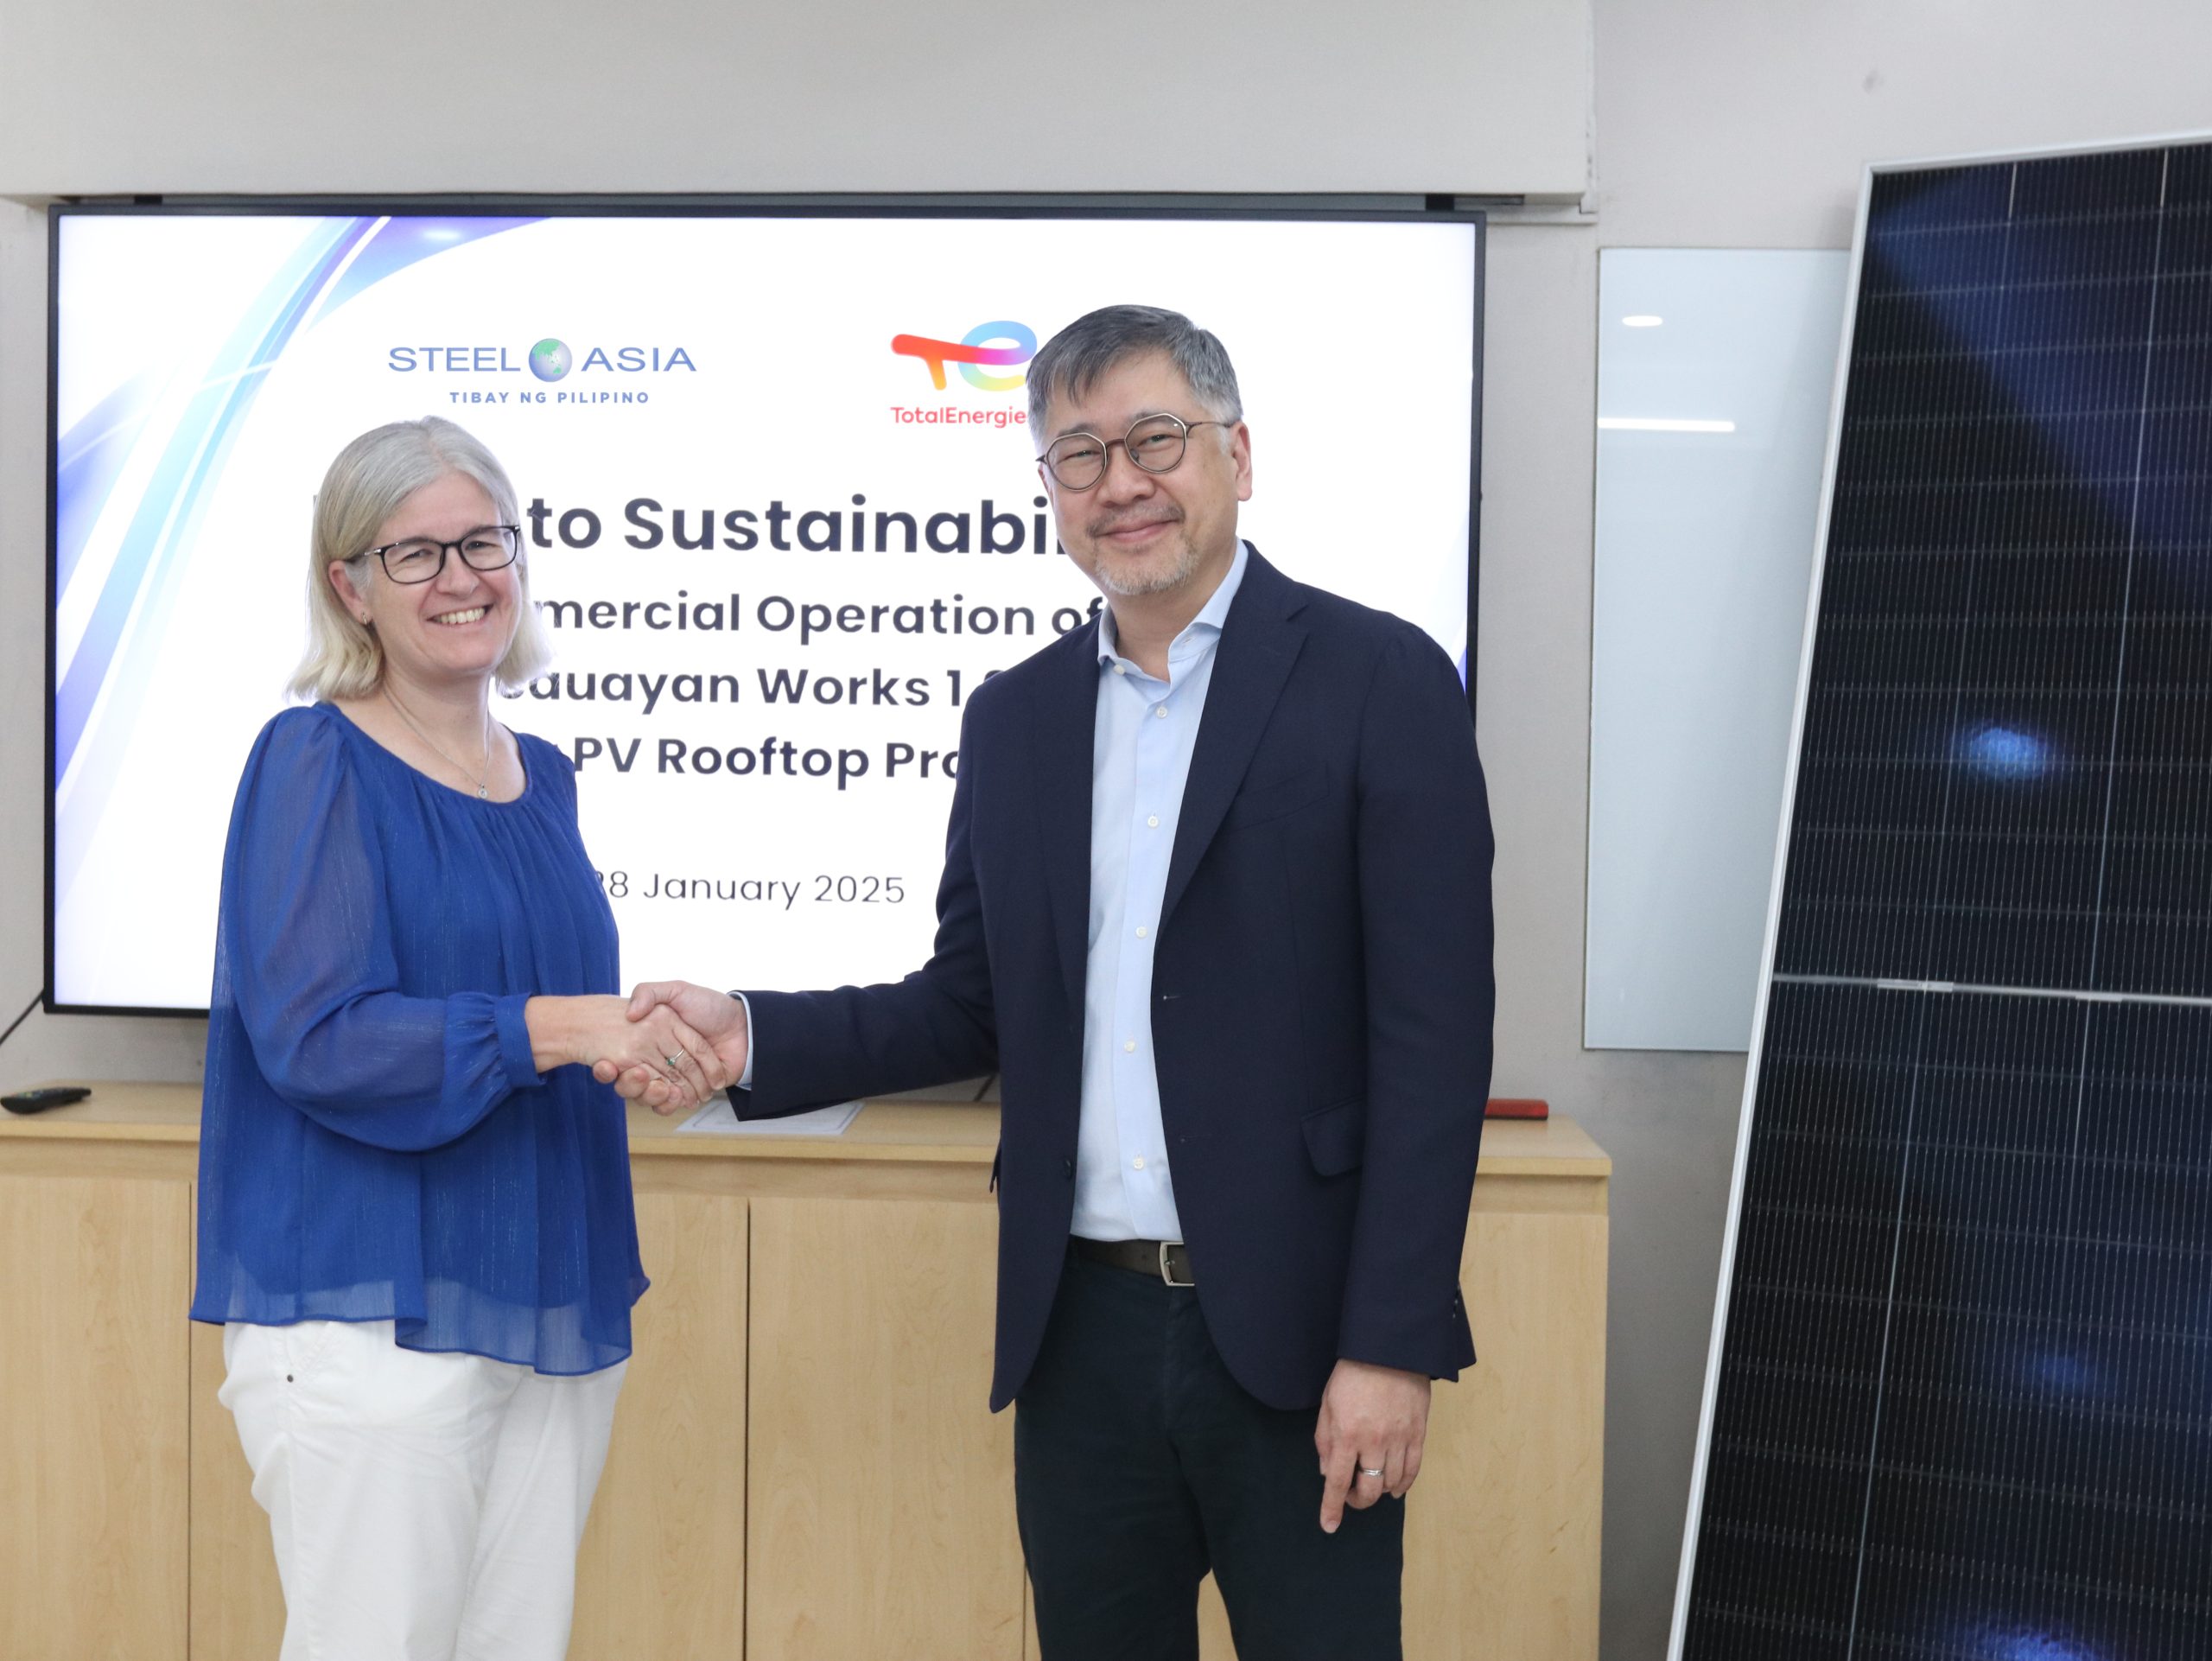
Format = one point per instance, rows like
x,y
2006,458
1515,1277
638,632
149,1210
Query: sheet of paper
x,y
718,1118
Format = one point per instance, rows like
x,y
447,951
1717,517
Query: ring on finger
x,y
1373,1471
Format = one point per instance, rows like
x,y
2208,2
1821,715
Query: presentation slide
x,y
780,507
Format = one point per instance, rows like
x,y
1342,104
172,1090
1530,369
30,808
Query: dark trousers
x,y
1139,1464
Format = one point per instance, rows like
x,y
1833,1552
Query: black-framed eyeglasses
x,y
1154,442
419,559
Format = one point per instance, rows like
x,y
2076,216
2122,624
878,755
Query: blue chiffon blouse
x,y
375,1142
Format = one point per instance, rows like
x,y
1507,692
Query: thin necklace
x,y
482,781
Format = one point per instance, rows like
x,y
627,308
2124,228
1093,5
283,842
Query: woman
x,y
415,1210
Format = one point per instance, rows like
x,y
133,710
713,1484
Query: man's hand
x,y
716,1017
1372,1419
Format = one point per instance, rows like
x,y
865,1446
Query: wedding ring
x,y
1364,1470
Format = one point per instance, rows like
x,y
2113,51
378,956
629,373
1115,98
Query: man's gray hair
x,y
1073,360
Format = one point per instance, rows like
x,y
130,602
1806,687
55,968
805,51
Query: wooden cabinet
x,y
664,1571
881,1491
803,1467
93,1370
237,1608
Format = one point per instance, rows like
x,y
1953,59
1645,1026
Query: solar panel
x,y
1960,1404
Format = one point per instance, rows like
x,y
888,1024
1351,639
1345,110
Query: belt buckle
x,y
1166,1273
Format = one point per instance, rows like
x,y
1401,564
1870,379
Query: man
x,y
1216,904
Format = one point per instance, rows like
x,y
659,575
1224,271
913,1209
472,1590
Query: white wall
x,y
1729,122
1469,96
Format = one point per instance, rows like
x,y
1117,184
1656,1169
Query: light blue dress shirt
x,y
1140,759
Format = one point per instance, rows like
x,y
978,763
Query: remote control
x,y
37,1101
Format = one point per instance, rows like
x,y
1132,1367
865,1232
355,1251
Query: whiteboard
x,y
1712,427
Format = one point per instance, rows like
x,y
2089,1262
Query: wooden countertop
x,y
934,1132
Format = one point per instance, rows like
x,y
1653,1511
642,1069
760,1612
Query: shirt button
x,y
1142,931
1153,821
1161,709
1121,668
1137,1164
1129,1047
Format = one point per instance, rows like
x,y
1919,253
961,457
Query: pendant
x,y
483,792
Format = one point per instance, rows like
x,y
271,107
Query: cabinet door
x,y
1502,1529
882,1514
662,1567
237,1607
93,1358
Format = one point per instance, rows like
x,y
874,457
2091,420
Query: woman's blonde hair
x,y
364,487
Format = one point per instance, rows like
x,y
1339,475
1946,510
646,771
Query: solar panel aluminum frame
x,y
1708,1397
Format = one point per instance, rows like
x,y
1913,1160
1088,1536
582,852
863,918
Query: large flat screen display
x,y
781,511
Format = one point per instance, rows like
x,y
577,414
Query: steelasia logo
x,y
1000,345
550,359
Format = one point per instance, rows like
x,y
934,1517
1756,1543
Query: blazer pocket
x,y
1336,1138
1272,799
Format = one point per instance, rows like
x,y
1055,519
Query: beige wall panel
x,y
663,1568
94,1513
881,1516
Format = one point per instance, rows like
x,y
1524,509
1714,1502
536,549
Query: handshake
x,y
672,1046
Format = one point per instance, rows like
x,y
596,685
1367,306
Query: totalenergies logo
x,y
999,345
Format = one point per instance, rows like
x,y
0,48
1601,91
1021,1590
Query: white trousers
x,y
424,1507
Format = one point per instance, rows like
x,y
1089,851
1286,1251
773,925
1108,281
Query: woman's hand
x,y
598,1032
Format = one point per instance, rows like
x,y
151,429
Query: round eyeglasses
x,y
419,559
1154,442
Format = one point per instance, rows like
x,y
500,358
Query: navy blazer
x,y
1321,987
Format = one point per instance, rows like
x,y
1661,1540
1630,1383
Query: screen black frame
x,y
1431,210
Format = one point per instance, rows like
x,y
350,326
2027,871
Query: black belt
x,y
1160,1260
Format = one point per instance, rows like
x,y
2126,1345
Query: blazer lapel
x,y
1063,734
1258,646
